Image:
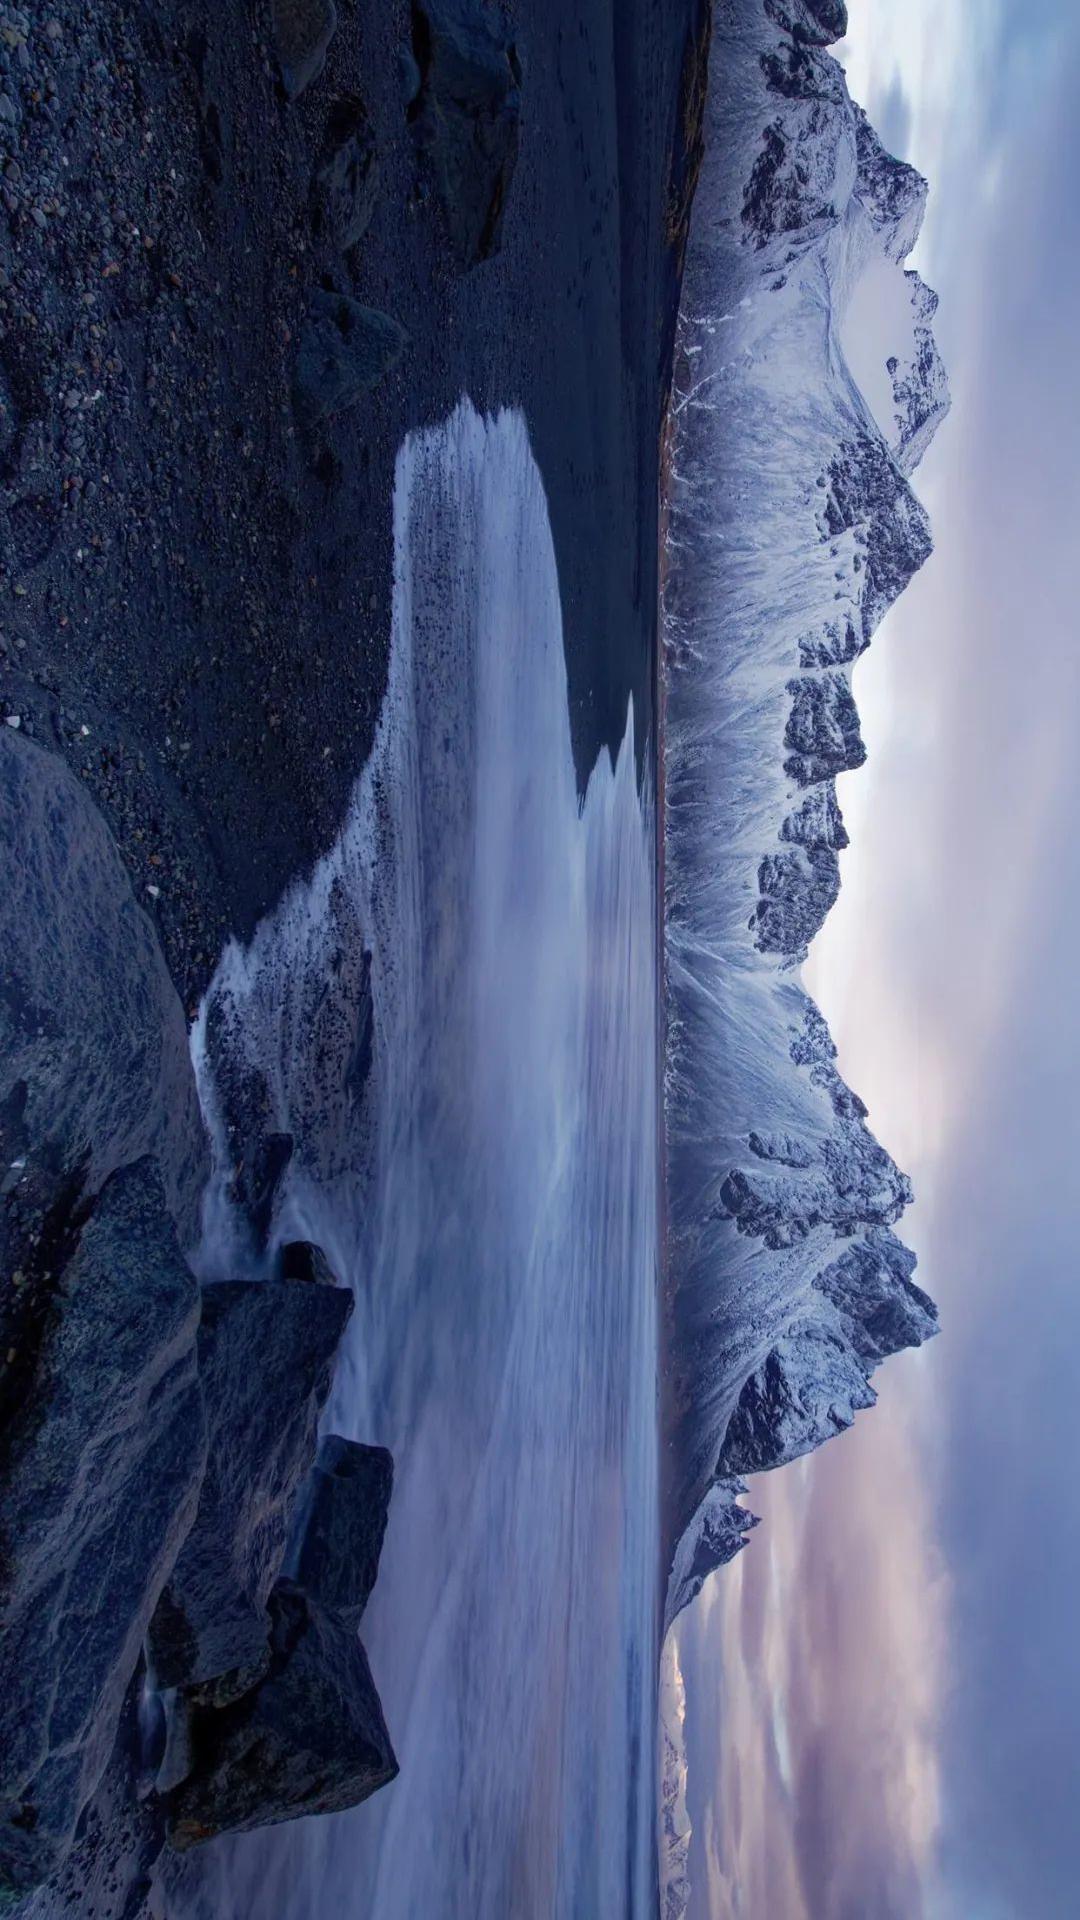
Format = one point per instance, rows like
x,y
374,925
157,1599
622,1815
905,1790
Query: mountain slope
x,y
791,530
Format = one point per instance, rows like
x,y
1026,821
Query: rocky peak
x,y
892,192
920,384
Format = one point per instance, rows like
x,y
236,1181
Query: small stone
x,y
303,30
14,719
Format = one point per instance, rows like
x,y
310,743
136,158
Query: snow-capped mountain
x,y
791,530
673,1836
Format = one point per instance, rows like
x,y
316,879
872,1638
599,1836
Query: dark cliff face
x,y
793,529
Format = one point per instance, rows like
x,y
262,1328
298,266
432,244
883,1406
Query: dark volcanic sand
x,y
186,577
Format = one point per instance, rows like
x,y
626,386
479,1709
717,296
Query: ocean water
x,y
480,1162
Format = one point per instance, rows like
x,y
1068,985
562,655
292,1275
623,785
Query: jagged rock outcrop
x,y
920,384
339,1525
465,114
167,1491
109,1872
345,348
302,1260
310,1738
813,1382
308,1735
94,1064
792,530
716,1533
101,1475
266,1352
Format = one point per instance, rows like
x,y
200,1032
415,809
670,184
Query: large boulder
x,y
310,1738
94,1063
266,1351
339,1525
345,349
103,1466
303,1260
465,115
110,1872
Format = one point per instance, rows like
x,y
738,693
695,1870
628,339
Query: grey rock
x,y
785,1148
466,117
826,20
110,1870
104,1466
892,192
339,1525
302,1260
818,822
808,1388
787,198
265,1358
94,1063
347,177
813,22
868,494
921,394
303,30
832,645
798,890
345,349
879,1305
310,1738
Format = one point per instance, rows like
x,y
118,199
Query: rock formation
x,y
157,1439
464,109
102,1476
309,1736
211,1623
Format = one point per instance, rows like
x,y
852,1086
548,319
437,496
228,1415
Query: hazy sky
x,y
894,1665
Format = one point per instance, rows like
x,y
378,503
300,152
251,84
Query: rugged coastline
x,y
241,257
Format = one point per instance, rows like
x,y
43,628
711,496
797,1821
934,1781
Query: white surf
x,y
489,1192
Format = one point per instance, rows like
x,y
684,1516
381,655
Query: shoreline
x,y
196,583
201,629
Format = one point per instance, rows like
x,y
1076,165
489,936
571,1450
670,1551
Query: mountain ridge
x,y
792,529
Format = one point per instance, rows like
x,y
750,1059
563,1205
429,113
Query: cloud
x,y
892,117
828,1683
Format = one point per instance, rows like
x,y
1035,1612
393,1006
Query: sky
x,y
891,1671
